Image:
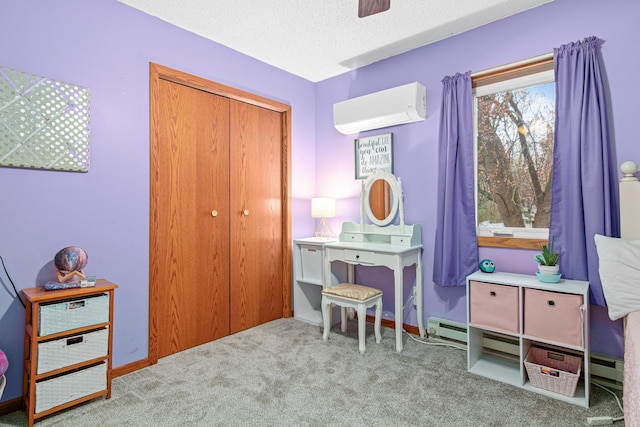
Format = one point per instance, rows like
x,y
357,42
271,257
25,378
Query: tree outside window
x,y
514,131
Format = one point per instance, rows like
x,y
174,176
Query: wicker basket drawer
x,y
494,306
75,313
65,388
71,350
553,316
553,371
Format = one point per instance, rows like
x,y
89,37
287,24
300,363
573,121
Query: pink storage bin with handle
x,y
494,306
553,316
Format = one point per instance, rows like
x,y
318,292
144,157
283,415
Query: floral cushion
x,y
353,291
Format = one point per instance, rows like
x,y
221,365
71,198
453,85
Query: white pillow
x,y
620,274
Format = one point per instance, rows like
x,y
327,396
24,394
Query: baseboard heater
x,y
606,370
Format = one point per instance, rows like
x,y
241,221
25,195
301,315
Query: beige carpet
x,y
283,374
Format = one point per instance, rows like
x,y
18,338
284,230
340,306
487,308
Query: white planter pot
x,y
549,269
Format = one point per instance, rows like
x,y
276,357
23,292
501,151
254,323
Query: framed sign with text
x,y
373,152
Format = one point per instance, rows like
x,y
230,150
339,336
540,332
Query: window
x,y
514,116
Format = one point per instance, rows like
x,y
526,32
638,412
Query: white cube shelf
x,y
554,317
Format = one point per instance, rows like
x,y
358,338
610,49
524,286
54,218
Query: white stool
x,y
358,297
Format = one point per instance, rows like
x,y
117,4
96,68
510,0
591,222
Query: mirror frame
x,y
395,194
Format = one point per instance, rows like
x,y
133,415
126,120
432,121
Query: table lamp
x,y
323,207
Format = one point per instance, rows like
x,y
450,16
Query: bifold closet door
x,y
255,137
190,242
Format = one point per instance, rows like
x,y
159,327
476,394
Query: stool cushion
x,y
353,291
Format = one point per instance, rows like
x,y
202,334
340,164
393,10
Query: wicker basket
x,y
73,313
553,371
70,350
65,388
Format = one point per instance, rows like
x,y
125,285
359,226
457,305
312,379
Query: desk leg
x,y
398,286
326,311
419,296
327,272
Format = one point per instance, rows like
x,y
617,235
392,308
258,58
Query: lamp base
x,y
324,231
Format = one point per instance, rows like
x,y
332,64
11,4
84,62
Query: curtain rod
x,y
499,68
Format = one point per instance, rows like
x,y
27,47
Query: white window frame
x,y
535,79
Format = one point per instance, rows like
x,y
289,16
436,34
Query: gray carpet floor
x,y
283,374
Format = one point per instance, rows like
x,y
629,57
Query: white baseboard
x,y
606,370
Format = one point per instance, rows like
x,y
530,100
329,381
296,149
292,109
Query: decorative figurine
x,y
70,261
487,266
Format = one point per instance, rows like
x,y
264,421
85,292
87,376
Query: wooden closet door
x,y
189,239
202,267
255,138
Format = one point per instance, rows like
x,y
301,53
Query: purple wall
x,y
107,46
525,35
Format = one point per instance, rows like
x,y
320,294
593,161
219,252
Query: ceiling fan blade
x,y
371,7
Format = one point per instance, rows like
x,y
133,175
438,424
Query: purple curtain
x,y
456,249
584,197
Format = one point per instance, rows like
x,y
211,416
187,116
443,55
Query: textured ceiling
x,y
318,39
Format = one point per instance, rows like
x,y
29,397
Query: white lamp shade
x,y
323,207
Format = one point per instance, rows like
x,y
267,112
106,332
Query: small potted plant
x,y
548,259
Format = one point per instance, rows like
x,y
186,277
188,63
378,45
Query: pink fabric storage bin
x,y
553,316
494,306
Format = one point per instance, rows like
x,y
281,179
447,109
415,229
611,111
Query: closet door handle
x,y
214,213
245,212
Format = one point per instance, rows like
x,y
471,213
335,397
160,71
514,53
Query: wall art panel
x,y
44,123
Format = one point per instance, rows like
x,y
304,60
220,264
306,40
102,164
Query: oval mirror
x,y
382,197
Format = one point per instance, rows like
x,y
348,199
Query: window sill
x,y
511,242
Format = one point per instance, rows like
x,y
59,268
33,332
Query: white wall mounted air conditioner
x,y
398,105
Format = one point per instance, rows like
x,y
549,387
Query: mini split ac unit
x,y
398,105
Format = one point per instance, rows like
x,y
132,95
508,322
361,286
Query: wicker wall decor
x,y
44,123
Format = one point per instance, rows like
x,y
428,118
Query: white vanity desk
x,y
391,246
